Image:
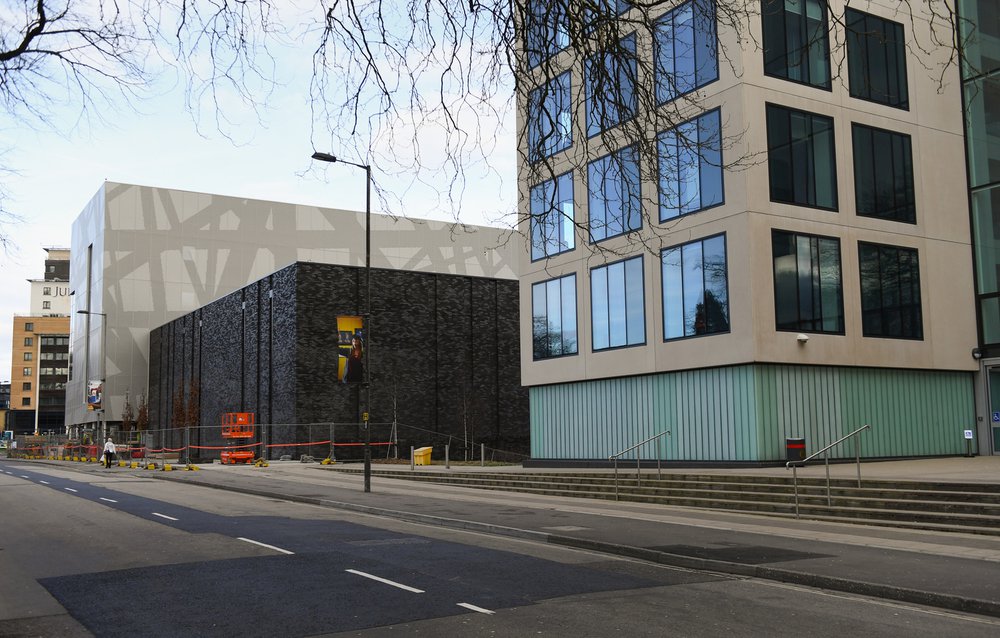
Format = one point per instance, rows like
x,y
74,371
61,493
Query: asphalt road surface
x,y
123,555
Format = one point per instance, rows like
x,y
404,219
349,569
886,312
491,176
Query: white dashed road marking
x,y
386,581
277,549
478,609
169,518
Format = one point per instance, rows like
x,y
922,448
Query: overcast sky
x,y
59,169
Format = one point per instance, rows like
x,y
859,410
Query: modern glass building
x,y
747,228
980,35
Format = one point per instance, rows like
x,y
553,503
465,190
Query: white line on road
x,y
43,482
386,581
23,476
70,489
474,608
110,500
277,549
169,518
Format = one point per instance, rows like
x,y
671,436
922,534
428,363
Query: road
x,y
116,554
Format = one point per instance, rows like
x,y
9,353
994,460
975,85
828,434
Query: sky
x,y
59,168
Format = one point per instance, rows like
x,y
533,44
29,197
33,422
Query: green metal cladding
x,y
745,413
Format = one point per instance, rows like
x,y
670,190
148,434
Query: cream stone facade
x,y
941,237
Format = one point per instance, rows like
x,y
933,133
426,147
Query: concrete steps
x,y
953,507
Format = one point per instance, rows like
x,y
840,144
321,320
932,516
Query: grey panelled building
x,y
145,256
827,285
444,359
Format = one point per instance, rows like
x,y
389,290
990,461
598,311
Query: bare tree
x,y
142,415
423,88
92,57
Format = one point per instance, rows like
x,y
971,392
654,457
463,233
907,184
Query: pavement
x,y
947,570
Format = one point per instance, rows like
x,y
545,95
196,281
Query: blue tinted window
x,y
552,217
691,166
695,288
613,194
618,306
553,317
550,122
686,52
610,85
546,29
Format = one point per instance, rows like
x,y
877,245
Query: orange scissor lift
x,y
237,427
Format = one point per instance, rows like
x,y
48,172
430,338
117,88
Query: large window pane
x,y
986,227
890,291
610,79
801,158
695,292
614,199
549,118
876,59
685,49
796,44
883,174
982,98
553,314
808,289
546,29
617,303
979,27
690,158
552,221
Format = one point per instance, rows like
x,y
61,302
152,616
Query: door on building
x,y
994,377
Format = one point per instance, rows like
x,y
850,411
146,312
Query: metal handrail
x,y
857,460
638,469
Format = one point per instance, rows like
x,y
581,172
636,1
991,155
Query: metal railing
x,y
825,451
638,458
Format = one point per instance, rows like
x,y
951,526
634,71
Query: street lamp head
x,y
324,157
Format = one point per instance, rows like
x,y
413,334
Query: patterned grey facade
x,y
444,358
145,256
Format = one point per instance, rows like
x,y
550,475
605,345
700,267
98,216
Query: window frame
x,y
536,24
607,305
661,143
663,287
798,303
770,107
882,40
907,141
826,86
553,211
914,286
637,191
562,306
553,88
29,326
614,72
661,34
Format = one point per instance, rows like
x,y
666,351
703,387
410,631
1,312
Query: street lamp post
x,y
104,355
326,157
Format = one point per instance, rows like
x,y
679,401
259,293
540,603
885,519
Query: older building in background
x,y
40,351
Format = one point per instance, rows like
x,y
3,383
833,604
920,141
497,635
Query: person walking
x,y
109,452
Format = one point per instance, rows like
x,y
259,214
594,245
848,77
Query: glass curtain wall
x,y
979,27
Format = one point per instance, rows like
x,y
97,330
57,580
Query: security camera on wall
x,y
802,338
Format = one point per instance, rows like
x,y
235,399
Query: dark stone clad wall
x,y
444,359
